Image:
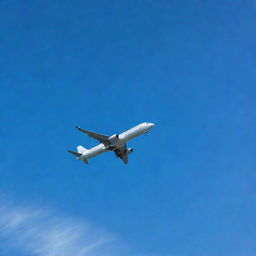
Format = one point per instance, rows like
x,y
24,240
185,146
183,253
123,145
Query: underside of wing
x,y
100,137
122,153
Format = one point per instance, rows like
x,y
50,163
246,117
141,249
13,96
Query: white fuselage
x,y
122,139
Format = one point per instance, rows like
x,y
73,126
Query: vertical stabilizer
x,y
81,149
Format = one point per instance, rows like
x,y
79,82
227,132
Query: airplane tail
x,y
81,149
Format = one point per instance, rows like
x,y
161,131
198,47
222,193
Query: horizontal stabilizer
x,y
75,153
85,161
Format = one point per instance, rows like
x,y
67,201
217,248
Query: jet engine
x,y
129,151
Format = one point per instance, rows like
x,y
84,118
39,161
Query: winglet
x,y
77,126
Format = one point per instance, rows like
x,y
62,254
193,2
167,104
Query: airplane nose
x,y
152,125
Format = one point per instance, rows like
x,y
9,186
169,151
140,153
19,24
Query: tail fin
x,y
81,149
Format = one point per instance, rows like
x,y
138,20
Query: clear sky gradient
x,y
188,66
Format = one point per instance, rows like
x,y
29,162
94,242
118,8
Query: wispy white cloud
x,y
41,232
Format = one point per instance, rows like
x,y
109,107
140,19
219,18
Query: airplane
x,y
116,143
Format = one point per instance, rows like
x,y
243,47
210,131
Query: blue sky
x,y
187,66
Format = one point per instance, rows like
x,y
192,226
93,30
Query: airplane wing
x,y
100,137
121,153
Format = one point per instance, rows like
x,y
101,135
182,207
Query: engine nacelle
x,y
113,139
129,151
